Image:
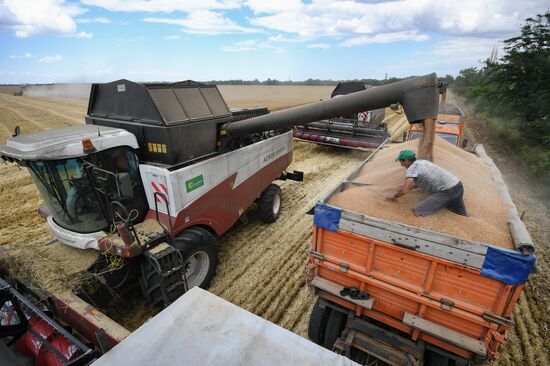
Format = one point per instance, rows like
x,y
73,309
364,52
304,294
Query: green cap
x,y
406,155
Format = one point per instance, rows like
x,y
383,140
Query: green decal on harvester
x,y
194,183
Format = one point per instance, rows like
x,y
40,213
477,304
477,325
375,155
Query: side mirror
x,y
124,185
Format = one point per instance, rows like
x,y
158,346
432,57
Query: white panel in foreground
x,y
202,329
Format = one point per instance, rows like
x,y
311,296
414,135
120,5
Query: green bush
x,y
516,90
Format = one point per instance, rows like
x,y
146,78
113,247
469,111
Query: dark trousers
x,y
452,199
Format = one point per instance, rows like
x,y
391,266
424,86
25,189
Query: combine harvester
x,y
151,178
363,130
155,175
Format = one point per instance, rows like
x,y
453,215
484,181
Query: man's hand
x,y
409,183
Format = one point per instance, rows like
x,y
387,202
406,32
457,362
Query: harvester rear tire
x,y
318,323
335,325
269,204
199,249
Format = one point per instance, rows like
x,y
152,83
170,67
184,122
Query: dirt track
x,y
262,266
529,341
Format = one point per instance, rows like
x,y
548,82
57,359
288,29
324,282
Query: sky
x,y
63,41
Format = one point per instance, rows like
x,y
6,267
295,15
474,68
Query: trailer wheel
x,y
199,249
318,323
269,204
335,326
436,359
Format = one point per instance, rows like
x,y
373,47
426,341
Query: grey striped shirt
x,y
430,177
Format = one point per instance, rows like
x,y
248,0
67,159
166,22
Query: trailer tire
x,y
269,204
318,323
199,249
436,359
335,325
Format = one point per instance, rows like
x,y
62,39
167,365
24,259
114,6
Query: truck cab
x,y
449,126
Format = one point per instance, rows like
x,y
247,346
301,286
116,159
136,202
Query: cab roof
x,y
64,143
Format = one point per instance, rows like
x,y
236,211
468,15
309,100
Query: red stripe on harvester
x,y
157,190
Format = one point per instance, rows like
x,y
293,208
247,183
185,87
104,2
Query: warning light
x,y
87,146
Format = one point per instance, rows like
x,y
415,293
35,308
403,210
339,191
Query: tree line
x,y
515,89
308,82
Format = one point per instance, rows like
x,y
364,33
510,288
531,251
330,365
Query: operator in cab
x,y
445,188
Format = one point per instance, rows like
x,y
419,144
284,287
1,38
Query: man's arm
x,y
409,183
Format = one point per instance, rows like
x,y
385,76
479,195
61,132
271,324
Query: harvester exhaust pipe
x,y
418,96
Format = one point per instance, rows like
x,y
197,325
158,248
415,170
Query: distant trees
x,y
517,86
308,82
524,77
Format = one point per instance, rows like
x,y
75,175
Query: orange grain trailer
x,y
449,126
408,296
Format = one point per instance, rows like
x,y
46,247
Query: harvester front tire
x,y
269,204
199,249
150,284
318,323
335,326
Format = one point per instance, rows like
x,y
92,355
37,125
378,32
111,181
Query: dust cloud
x,y
70,91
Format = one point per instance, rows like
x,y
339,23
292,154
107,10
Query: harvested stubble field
x,y
261,266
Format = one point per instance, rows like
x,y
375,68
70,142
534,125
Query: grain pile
x,y
488,221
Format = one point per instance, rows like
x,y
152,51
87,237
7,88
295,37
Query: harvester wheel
x,y
150,283
318,323
335,326
199,249
269,204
